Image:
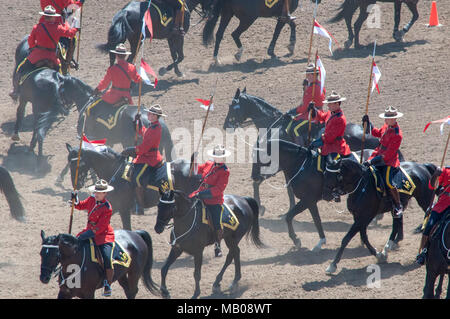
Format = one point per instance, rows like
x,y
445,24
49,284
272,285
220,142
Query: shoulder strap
x,y
49,35
125,72
56,6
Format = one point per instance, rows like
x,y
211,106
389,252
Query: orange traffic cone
x,y
434,20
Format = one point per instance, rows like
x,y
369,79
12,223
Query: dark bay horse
x,y
51,94
247,11
246,109
300,169
349,7
12,196
364,202
190,235
67,251
127,25
438,260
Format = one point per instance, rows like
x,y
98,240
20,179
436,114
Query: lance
x,y
313,95
367,103
203,127
79,36
312,31
76,173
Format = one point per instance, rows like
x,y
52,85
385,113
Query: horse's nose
x,y
44,279
159,228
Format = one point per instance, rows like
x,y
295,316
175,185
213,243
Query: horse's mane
x,y
263,106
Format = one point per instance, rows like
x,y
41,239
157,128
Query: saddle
x,y
160,179
437,233
119,256
402,179
227,217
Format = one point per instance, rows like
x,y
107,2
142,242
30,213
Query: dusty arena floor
x,y
415,77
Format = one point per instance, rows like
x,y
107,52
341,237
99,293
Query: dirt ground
x,y
415,77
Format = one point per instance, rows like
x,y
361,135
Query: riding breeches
x,y
107,250
215,211
141,174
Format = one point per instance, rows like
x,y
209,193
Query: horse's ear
x,y
238,92
69,148
42,235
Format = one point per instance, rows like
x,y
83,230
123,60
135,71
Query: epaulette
x,y
108,205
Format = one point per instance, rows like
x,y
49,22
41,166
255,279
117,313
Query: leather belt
x,y
46,49
121,89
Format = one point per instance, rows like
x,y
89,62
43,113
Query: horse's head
x,y
83,168
342,178
75,91
50,256
170,204
236,112
68,245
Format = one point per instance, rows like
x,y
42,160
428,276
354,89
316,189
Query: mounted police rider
x,y
215,176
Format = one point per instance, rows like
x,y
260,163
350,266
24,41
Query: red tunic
x,y
444,199
99,216
215,179
43,46
333,137
121,81
390,140
302,109
59,5
148,151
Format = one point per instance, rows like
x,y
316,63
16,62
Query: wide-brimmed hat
x,y
333,98
120,49
391,113
101,186
311,68
155,109
219,151
49,11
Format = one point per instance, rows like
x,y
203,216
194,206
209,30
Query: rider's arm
x,y
106,80
32,37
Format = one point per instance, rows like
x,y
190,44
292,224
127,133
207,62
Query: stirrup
x,y
217,250
107,289
421,258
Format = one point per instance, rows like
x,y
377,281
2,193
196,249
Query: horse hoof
x,y
179,74
291,48
216,289
331,269
15,137
348,44
162,71
318,247
165,294
382,257
238,55
262,210
398,35
297,243
271,52
391,245
195,295
233,287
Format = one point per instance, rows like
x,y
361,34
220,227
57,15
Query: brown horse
x,y
80,277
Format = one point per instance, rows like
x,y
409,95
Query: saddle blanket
x,y
227,217
271,3
160,180
401,180
165,13
119,256
104,113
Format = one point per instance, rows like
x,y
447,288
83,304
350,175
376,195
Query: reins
x,y
194,221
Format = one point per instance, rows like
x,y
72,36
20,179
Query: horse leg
x,y
176,50
351,233
397,13
130,285
243,26
276,34
198,260
363,14
448,288
437,294
292,38
125,217
297,209
20,114
134,41
224,21
348,22
256,185
413,8
228,260
173,255
318,223
365,239
291,196
428,289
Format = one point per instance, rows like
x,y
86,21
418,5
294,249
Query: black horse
x,y
127,25
247,109
349,7
51,94
364,202
247,11
301,170
116,124
67,250
190,235
438,259
8,188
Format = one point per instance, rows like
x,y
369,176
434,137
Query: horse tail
x,y
117,33
11,194
211,23
147,274
254,229
345,9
